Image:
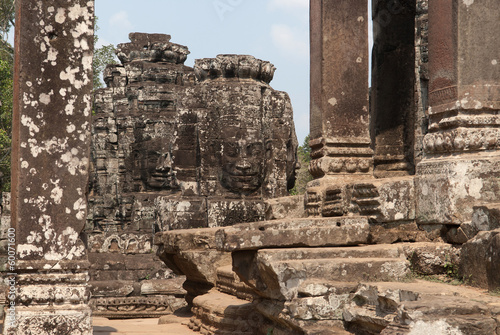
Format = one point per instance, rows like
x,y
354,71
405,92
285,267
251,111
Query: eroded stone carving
x,y
294,270
176,147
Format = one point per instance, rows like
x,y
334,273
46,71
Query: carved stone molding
x,y
462,139
151,48
234,66
139,307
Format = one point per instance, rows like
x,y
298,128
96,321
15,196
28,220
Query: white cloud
x,y
102,42
120,20
290,41
288,4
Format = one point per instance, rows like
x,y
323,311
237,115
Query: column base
x,y
448,188
381,200
50,319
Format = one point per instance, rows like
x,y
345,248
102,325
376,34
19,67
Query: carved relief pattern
x,y
330,156
231,66
71,322
145,306
462,139
122,243
329,165
365,199
176,147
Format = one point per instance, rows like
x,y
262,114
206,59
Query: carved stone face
x,y
153,158
243,156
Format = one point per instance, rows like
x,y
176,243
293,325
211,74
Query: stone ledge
x,y
310,232
234,66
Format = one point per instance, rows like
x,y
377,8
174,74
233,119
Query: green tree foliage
x,y
5,122
102,56
303,175
7,11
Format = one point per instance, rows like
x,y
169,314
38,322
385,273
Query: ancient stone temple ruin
x,y
405,187
193,165
175,148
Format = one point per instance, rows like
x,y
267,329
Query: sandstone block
x,y
278,273
101,289
480,260
219,313
285,207
294,233
447,191
171,286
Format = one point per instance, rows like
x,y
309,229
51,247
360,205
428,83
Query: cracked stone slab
x,y
310,232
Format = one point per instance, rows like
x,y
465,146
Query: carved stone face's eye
x,y
255,150
152,157
231,149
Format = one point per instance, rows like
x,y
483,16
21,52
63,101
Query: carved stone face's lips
x,y
242,174
244,179
160,176
159,180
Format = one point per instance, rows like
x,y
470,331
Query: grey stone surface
x,y
311,232
50,160
278,273
170,152
382,200
480,260
460,167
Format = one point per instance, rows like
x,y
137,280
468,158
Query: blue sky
x,y
272,30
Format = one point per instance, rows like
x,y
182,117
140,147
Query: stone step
x,y
393,308
298,232
366,251
223,314
277,274
228,282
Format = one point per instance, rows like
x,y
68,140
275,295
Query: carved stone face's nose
x,y
164,163
243,164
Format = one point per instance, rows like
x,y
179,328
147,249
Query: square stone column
x,y
340,138
50,161
340,134
461,165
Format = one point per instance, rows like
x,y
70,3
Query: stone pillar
x,y
393,84
421,77
50,160
461,166
340,138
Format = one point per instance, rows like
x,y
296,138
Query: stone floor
x,y
175,326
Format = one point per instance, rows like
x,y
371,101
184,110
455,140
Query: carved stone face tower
x,y
251,129
176,147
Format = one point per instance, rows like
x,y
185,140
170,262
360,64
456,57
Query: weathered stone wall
x,y
460,168
351,269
